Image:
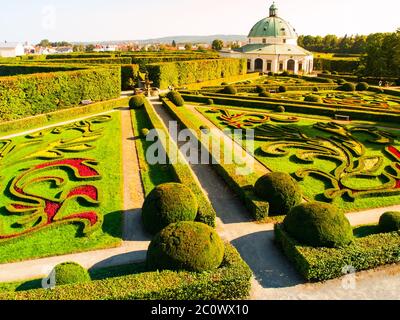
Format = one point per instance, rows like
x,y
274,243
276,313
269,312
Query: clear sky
x,y
93,20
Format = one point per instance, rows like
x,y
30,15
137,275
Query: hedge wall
x,y
330,111
129,72
61,115
92,61
339,65
80,56
320,264
238,183
29,95
230,281
186,72
183,172
13,70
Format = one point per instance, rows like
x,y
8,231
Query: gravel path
x,y
136,241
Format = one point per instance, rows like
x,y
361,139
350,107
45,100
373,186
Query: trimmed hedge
x,y
14,70
313,98
92,61
29,95
129,76
229,90
176,98
70,273
182,170
186,72
321,264
362,86
168,203
348,86
231,281
191,246
280,190
319,224
296,107
238,183
389,222
339,65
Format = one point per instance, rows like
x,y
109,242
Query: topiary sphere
x,y
259,89
348,87
210,102
145,132
390,222
319,224
168,203
313,98
280,109
176,98
136,102
191,246
282,89
315,89
362,86
69,273
230,90
280,190
264,94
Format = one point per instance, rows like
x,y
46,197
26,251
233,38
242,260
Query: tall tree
x,y
217,44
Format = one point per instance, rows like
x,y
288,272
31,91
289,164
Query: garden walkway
x,y
135,242
274,277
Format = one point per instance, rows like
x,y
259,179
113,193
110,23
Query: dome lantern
x,y
273,10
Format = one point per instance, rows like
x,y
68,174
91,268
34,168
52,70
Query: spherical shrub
x,y
315,89
271,74
264,94
69,273
191,246
285,73
168,203
230,90
348,87
390,222
341,81
362,86
280,109
176,98
319,224
313,98
145,132
136,102
260,89
282,89
280,190
210,102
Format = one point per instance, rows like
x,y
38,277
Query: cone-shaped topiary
x,y
319,224
69,273
390,222
176,98
168,203
136,102
280,190
230,90
191,246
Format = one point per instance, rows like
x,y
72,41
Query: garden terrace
x,y
177,171
354,166
59,188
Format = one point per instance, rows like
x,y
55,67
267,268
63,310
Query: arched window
x,y
258,65
290,65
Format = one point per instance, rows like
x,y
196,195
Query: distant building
x,y
11,49
272,47
64,50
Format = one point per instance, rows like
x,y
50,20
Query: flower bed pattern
x,y
29,210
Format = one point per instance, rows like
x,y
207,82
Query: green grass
x,y
68,238
313,188
152,175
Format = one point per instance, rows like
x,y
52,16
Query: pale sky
x,y
94,20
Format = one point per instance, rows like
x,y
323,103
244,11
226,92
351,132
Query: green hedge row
x,y
320,264
253,88
339,65
92,61
230,281
352,78
329,111
13,70
29,95
80,56
241,184
183,172
186,72
129,75
60,115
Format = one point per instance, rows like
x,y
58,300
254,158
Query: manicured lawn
x,y
79,193
313,185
